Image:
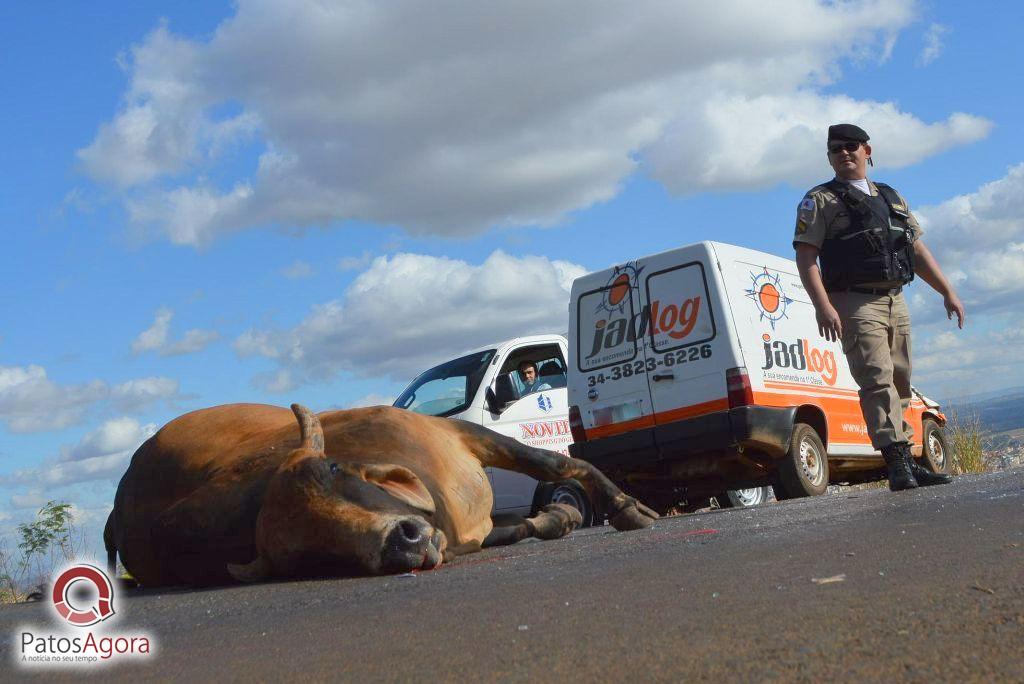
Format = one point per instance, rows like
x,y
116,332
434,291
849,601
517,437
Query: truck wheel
x,y
936,449
742,498
571,494
804,470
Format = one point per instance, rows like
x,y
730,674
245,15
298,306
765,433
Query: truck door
x,y
610,358
537,416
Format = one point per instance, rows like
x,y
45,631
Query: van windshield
x,y
446,389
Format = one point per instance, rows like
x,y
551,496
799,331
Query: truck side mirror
x,y
491,401
502,394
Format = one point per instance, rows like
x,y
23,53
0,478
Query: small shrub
x,y
48,541
966,435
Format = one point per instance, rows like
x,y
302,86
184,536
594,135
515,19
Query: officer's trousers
x,y
876,341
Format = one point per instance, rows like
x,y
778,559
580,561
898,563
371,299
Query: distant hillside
x,y
1001,413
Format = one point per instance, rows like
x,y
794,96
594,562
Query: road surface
x,y
925,585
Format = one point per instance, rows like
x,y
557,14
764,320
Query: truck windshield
x,y
446,389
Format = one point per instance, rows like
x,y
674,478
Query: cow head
x,y
321,517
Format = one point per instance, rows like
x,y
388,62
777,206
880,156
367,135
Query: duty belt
x,y
880,291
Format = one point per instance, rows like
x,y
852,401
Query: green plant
x,y
49,540
966,436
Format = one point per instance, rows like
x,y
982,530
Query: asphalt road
x,y
926,585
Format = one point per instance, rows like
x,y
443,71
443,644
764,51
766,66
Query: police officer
x,y
869,246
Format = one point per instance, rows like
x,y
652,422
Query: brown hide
x,y
189,502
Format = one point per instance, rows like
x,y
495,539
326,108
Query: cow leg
x,y
553,521
493,449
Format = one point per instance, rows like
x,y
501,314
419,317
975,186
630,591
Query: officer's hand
x,y
954,306
829,325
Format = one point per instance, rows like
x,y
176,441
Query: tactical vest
x,y
877,247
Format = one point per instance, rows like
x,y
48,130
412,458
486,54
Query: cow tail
x,y
108,542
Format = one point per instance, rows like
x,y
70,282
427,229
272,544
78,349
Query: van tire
x,y
804,470
935,454
570,493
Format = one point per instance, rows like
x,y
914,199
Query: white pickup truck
x,y
484,387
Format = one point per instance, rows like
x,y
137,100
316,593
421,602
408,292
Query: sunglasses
x,y
850,146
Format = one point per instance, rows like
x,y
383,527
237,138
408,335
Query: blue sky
x,y
274,202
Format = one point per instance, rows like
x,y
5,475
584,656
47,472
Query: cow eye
x,y
334,469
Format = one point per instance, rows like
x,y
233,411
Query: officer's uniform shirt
x,y
822,214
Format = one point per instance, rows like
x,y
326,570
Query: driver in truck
x,y
528,374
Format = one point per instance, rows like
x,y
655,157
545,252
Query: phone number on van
x,y
632,368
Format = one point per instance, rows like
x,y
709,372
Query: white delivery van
x,y
702,369
484,387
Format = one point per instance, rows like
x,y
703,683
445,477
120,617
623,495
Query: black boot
x,y
898,469
922,475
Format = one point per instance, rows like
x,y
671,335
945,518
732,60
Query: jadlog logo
x,y
676,320
800,355
82,597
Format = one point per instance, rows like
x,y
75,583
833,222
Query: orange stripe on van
x,y
618,428
692,411
838,412
813,389
658,418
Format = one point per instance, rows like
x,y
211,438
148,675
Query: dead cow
x,y
238,492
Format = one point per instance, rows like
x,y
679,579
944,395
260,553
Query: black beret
x,y
847,132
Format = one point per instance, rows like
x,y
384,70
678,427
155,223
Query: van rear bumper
x,y
762,428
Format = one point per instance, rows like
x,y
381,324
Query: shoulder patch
x,y
807,204
801,227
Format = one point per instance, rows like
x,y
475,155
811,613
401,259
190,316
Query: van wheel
x,y
936,449
804,471
569,493
742,498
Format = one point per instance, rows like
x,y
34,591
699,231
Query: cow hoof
x,y
555,521
633,516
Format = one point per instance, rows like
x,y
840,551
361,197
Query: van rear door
x,y
610,360
684,341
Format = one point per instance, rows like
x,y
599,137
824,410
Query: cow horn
x,y
312,432
255,571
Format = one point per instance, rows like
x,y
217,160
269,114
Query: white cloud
x,y
138,395
454,116
410,311
372,399
932,44
31,402
33,498
978,241
154,338
276,382
352,263
744,142
986,355
102,454
297,270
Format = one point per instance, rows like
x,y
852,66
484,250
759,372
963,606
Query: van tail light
x,y
576,425
737,382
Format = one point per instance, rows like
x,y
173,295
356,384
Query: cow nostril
x,y
410,531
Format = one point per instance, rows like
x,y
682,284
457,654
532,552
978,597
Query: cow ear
x,y
400,483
